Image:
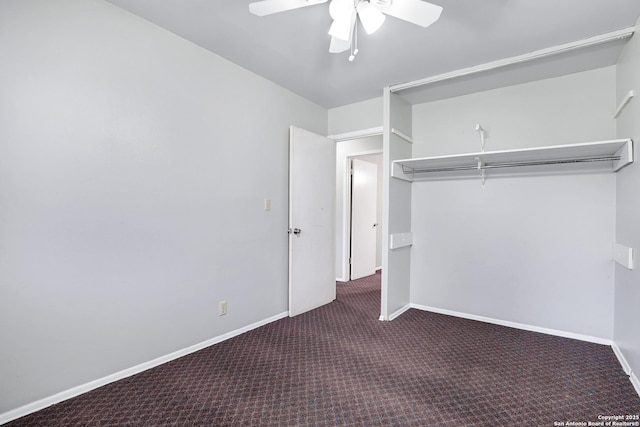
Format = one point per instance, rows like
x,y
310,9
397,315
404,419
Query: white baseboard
x,y
623,362
92,385
343,279
397,313
635,382
626,367
522,326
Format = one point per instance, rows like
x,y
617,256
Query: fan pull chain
x,y
354,52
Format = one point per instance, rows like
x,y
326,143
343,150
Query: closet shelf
x,y
600,156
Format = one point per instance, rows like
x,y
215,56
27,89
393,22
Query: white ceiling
x,y
291,48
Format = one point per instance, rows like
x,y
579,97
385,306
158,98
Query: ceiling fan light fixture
x,y
340,9
382,3
345,14
371,18
341,29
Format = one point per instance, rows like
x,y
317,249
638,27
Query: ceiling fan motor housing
x,y
381,3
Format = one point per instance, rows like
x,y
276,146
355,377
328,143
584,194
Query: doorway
x,y
365,251
368,149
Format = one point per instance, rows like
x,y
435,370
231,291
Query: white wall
x,y
627,297
354,117
133,167
345,150
533,250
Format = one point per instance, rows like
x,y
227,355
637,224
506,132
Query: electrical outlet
x,y
267,204
222,308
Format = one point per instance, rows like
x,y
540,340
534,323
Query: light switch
x,y
267,204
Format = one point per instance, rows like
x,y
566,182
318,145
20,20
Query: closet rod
x,y
407,170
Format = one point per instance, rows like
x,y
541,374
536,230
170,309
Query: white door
x,y
312,193
364,203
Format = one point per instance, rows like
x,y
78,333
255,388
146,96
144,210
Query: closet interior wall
x,y
396,263
627,288
532,250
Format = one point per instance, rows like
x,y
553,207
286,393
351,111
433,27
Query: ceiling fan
x,y
345,14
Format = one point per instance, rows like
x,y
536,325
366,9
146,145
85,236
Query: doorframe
x,y
358,134
346,209
346,191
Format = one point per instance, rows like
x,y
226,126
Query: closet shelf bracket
x,y
481,131
624,103
481,168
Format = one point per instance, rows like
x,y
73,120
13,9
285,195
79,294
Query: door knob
x,y
295,231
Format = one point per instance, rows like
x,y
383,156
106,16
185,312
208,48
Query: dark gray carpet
x,y
339,365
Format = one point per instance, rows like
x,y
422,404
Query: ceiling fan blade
x,y
370,16
268,7
415,11
341,29
338,46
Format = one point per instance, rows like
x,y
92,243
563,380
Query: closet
x,y
501,201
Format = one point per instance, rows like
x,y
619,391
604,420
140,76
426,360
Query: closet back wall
x,y
533,250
